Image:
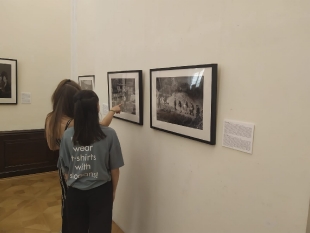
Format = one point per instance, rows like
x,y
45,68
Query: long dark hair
x,y
86,119
63,105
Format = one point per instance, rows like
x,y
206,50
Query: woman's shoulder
x,y
107,129
65,120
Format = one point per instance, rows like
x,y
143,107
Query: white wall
x,y
174,185
38,34
171,184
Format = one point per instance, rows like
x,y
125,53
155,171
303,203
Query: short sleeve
x,y
116,156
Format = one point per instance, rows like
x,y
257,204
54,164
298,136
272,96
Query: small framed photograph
x,y
125,87
183,101
8,81
87,82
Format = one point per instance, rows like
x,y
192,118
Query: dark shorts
x,y
90,209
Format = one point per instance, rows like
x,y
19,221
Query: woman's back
x,y
89,166
65,122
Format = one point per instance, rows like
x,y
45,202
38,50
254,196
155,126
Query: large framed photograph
x,y
183,101
87,82
125,87
8,81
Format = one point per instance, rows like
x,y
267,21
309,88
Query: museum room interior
x,y
245,169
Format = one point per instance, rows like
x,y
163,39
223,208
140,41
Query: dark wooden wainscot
x,y
25,152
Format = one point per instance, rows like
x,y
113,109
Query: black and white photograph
x,y
180,100
8,81
125,88
87,82
183,101
123,92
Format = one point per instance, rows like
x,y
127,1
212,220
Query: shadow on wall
x,y
141,191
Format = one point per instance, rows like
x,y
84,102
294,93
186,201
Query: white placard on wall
x,y
238,135
26,97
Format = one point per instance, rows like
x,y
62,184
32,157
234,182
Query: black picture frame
x,y
87,82
8,81
126,87
183,101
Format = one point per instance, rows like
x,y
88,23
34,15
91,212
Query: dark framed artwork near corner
x,y
8,81
125,87
87,82
183,101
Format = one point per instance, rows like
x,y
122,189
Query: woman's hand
x,y
108,118
116,108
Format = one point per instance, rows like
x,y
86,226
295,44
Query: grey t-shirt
x,y
88,166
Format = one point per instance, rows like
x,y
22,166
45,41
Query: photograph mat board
x,y
129,75
207,87
4,63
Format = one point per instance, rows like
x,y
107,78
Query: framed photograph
x,y
8,81
183,101
125,87
87,82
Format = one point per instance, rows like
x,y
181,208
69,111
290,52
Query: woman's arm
x,y
115,177
108,118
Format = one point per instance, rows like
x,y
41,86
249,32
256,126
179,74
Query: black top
x,y
58,141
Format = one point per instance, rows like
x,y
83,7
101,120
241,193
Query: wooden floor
x,y
32,204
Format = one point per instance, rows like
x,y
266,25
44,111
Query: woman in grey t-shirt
x,y
90,157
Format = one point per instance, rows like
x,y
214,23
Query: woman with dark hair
x,y
59,120
90,157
